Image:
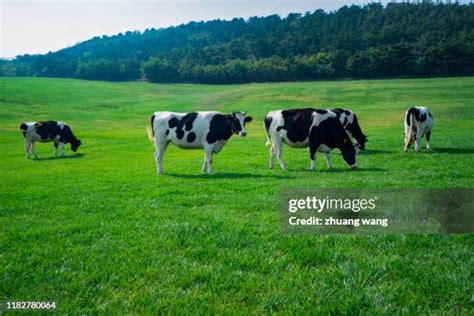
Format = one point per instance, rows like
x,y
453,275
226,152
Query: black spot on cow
x,y
167,132
219,128
173,122
184,124
23,126
191,137
423,117
297,123
179,133
319,111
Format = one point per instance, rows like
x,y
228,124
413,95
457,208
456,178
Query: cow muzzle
x,y
242,133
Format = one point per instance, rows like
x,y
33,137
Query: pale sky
x,y
38,26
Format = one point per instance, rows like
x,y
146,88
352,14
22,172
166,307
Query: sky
x,y
38,26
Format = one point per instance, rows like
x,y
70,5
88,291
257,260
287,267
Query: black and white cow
x,y
351,125
418,122
48,131
207,130
320,130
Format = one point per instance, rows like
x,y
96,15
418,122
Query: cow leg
x,y
208,159
159,153
312,155
27,149
328,160
419,134
279,153
32,146
204,165
61,146
272,156
55,149
428,136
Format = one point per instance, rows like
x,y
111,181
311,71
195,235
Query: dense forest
x,y
372,41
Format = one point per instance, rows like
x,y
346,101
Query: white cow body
x,y
418,123
208,130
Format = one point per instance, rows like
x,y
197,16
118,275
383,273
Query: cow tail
x,y
150,131
266,124
410,119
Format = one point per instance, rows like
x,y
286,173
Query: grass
x,y
101,232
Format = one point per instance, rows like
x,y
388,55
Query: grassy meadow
x,y
100,232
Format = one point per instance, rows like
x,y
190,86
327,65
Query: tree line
x,y
370,41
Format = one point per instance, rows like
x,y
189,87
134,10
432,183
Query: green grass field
x,y
99,231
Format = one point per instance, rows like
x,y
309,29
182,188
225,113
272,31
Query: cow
x,y
207,130
48,131
351,125
320,130
418,122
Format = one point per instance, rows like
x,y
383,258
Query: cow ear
x,y
248,119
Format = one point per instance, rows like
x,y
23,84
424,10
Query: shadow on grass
x,y
459,151
375,152
342,170
228,175
75,156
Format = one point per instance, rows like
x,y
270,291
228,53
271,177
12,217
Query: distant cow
x,y
418,122
48,131
207,130
320,130
351,125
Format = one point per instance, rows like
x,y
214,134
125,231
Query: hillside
x,y
101,233
372,41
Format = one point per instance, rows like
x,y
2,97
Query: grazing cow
x,y
320,130
57,132
418,122
207,130
351,125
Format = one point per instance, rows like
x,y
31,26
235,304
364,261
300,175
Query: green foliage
x,y
372,41
101,233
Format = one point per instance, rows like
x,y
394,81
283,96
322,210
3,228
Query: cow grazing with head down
x,y
320,130
418,123
351,125
48,131
207,130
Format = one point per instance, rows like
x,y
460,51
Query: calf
x,y
48,131
207,130
418,122
351,125
320,130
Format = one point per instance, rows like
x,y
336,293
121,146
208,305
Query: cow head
x,y
75,144
237,122
349,153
